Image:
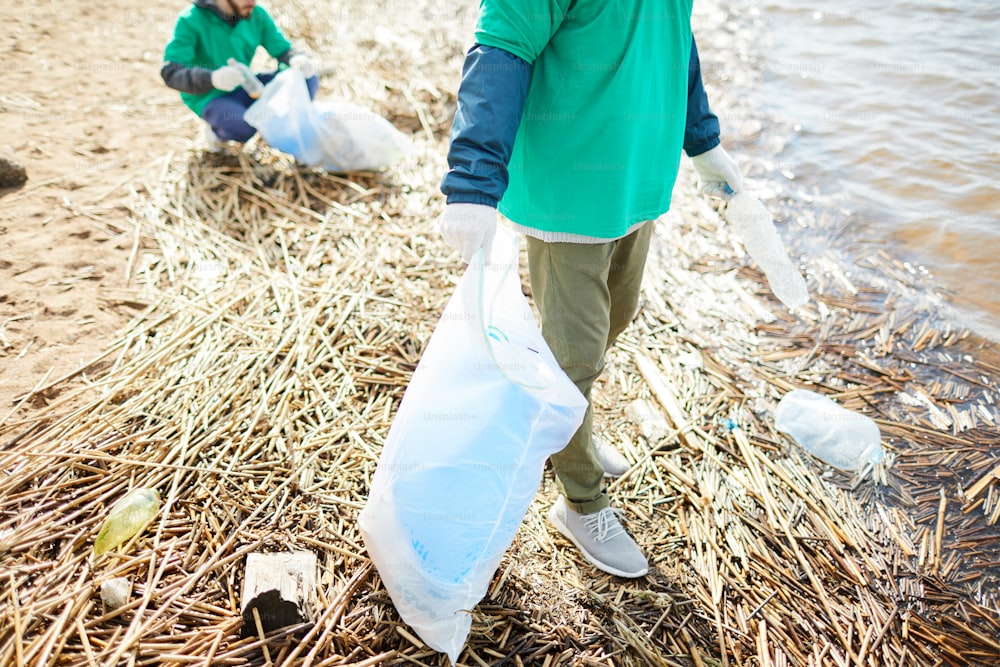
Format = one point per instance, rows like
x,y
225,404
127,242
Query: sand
x,y
84,110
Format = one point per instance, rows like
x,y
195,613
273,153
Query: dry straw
x,y
285,310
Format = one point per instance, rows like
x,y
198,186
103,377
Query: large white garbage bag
x,y
464,456
333,135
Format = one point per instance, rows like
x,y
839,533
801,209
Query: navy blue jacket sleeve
x,y
701,131
490,102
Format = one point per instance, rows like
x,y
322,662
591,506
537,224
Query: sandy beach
x,y
85,112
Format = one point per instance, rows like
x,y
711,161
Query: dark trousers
x,y
225,113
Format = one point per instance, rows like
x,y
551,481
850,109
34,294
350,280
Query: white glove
x,y
716,170
469,227
304,64
226,78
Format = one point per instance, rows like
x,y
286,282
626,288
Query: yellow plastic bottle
x,y
127,517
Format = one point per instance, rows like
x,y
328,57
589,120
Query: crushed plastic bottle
x,y
115,592
127,517
844,439
755,227
251,84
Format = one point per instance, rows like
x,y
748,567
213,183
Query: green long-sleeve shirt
x,y
204,41
601,134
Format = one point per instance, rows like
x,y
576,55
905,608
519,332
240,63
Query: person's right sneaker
x,y
601,538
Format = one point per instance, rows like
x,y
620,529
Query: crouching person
x,y
207,36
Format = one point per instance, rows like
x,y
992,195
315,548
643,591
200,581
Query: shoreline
x,y
755,125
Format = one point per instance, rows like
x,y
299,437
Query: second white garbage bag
x,y
333,135
464,456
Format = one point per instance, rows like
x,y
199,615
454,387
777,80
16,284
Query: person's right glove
x,y
469,227
226,78
716,170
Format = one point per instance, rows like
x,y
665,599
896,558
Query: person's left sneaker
x,y
601,538
614,462
213,144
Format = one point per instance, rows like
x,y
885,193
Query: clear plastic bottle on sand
x,y
755,227
844,439
127,517
251,84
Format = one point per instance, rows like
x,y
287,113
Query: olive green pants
x,y
586,294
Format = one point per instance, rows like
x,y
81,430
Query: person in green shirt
x,y
571,119
207,35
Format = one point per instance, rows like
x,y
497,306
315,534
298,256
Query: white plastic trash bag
x,y
464,456
355,139
333,135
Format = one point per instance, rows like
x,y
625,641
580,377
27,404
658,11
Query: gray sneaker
x,y
601,539
612,461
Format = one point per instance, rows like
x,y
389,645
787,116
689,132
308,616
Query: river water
x,y
892,113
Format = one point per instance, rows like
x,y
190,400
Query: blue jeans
x,y
225,113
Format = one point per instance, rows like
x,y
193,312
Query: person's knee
x,y
583,372
579,353
241,133
227,122
233,131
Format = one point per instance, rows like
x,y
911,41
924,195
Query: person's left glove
x,y
304,64
469,227
716,170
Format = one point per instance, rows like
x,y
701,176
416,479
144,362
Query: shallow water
x,y
895,116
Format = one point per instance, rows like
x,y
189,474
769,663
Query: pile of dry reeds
x,y
286,309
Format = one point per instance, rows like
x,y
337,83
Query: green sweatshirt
x,y
601,134
202,39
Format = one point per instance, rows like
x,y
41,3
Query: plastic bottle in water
x,y
251,84
127,517
844,439
755,227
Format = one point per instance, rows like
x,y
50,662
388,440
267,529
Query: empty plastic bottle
x,y
844,439
115,592
251,84
127,517
755,227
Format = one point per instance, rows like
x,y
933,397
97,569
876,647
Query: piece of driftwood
x,y
279,587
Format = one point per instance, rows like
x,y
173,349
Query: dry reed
x,y
285,310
